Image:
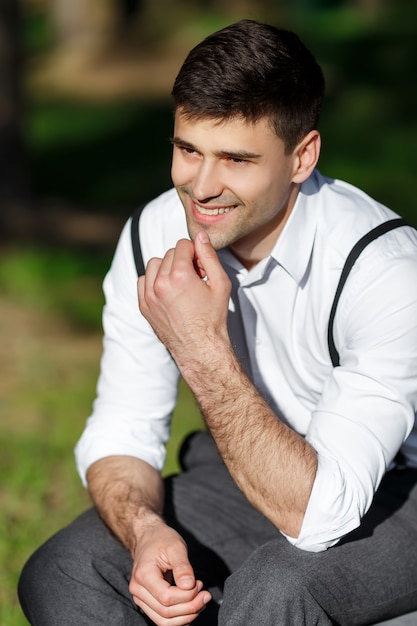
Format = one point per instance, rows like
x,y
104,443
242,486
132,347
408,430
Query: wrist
x,y
145,522
206,372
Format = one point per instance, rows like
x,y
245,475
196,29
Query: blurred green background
x,y
85,119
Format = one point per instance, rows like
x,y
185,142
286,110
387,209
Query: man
x,y
294,509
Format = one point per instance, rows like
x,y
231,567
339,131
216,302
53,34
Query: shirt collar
x,y
294,246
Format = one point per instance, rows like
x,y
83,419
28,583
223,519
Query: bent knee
x,y
277,585
37,579
275,573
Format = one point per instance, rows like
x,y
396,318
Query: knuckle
x,y
165,613
153,261
184,243
133,589
178,274
166,601
160,285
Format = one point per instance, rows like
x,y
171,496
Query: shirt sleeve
x,y
138,382
368,405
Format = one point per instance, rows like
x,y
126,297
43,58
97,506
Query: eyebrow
x,y
231,154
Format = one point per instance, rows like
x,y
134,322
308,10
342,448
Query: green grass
x,y
62,282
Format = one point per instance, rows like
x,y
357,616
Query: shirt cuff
x,y
331,512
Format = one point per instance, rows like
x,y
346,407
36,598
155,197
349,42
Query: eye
x,y
183,148
187,151
237,161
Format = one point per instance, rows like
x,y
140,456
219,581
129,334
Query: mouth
x,y
204,210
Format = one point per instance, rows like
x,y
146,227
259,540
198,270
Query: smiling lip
x,y
213,211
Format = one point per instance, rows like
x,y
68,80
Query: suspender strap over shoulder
x,y
134,232
357,249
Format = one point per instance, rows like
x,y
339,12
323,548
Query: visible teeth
x,y
219,211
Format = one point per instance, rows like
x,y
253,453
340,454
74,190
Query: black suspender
x,y
134,232
353,255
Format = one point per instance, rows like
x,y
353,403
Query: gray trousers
x,y
81,575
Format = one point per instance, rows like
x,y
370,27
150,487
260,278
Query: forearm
x,y
128,494
273,465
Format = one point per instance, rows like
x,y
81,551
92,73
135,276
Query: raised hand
x,y
185,295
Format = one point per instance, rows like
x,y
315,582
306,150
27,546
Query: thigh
x,y
380,557
369,576
80,576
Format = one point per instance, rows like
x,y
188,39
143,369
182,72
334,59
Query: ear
x,y
306,155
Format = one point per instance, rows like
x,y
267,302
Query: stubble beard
x,y
219,238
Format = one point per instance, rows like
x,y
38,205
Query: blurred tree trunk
x,y
13,182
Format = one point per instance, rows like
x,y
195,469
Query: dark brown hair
x,y
253,70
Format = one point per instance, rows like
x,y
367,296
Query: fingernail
x,y
203,236
188,581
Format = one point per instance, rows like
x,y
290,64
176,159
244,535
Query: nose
x,y
207,182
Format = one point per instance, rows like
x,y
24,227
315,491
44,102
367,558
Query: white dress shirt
x,y
356,416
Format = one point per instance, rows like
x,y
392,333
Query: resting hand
x,y
163,584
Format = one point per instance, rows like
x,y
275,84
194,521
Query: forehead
x,y
236,132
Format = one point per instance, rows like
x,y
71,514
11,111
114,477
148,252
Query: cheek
x,y
273,188
175,171
182,171
259,181
259,192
